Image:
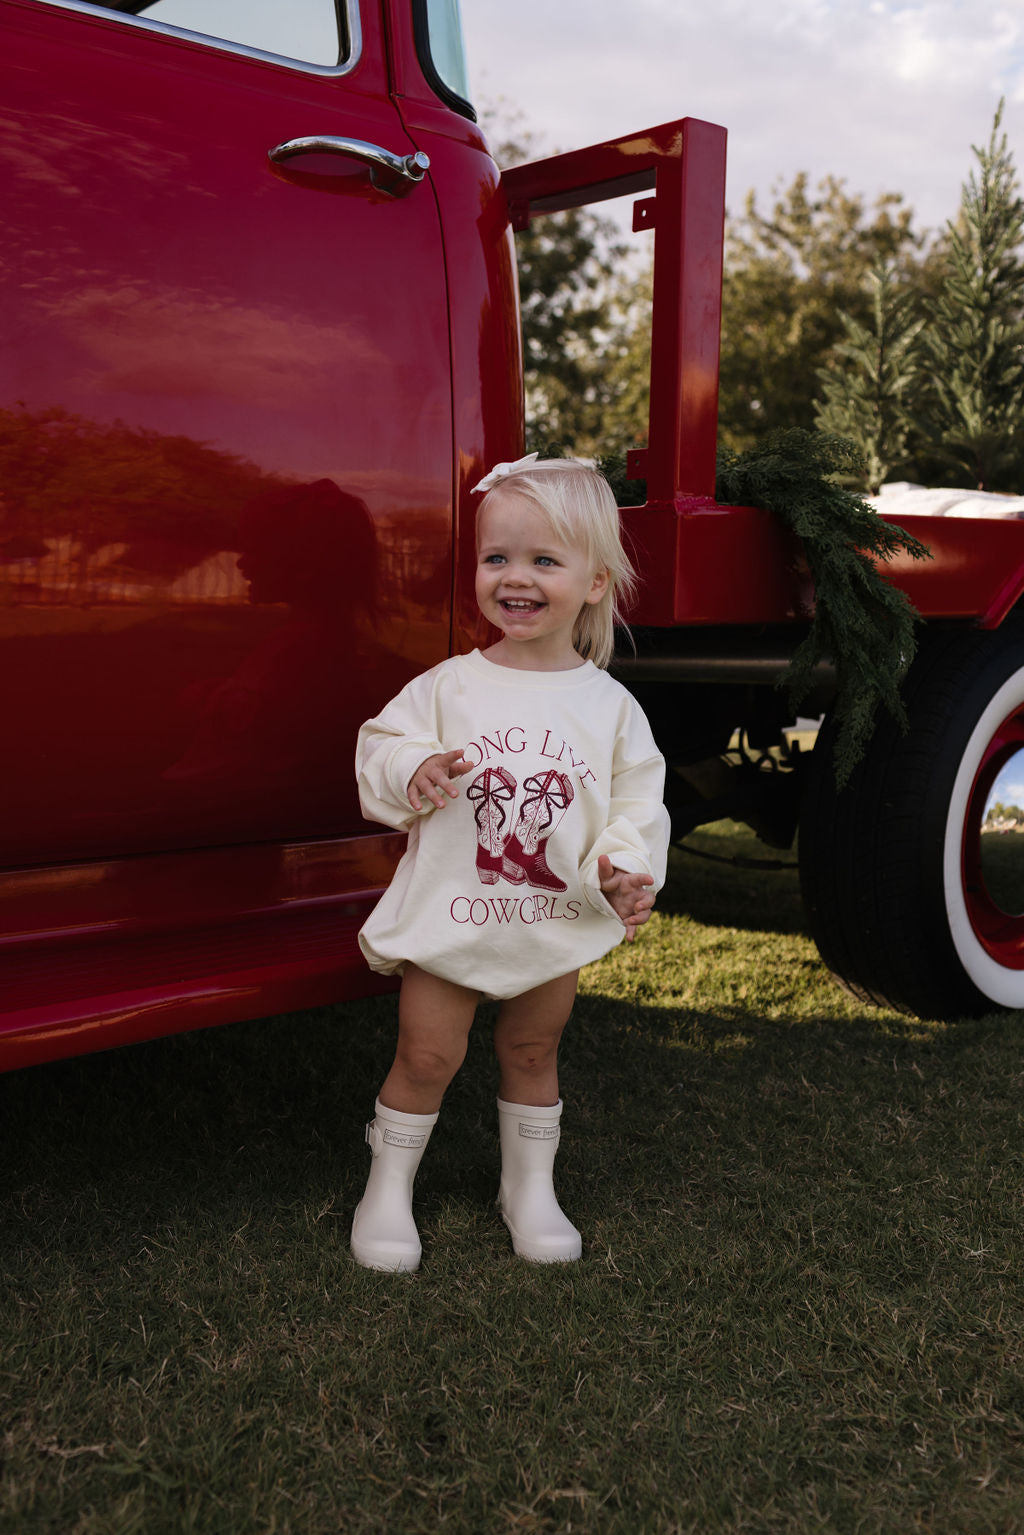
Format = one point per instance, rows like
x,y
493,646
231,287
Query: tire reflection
x,y
1002,840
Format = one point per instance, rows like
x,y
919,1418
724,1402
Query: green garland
x,y
862,623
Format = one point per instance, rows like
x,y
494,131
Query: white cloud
x,y
889,96
1008,787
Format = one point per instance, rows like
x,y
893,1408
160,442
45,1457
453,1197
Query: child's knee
x,y
530,1055
430,1066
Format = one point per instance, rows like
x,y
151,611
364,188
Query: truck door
x,y
225,422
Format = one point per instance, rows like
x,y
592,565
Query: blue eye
x,y
493,559
544,559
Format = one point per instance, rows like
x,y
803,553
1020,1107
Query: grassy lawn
x,y
800,1305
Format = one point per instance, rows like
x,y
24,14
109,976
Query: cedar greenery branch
x,y
862,624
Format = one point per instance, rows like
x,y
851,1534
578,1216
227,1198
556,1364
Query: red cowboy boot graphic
x,y
490,792
544,795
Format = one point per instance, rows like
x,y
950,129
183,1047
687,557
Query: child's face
x,y
529,584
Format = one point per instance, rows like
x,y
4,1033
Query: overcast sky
x,y
888,95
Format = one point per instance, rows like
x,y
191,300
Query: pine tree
x,y
866,389
788,274
973,407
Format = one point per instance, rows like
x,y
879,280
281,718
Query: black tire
x,y
890,867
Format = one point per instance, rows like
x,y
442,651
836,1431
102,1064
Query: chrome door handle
x,y
394,174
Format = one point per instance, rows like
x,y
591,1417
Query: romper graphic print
x,y
490,791
520,855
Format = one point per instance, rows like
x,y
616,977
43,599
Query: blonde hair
x,y
580,509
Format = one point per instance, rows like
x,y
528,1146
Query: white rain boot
x,y
526,1199
384,1234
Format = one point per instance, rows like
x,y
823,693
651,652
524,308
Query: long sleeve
x,y
636,837
391,747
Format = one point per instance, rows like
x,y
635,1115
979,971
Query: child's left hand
x,y
627,894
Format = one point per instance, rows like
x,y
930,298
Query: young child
x,y
531,788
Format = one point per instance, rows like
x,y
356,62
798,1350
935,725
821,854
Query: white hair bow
x,y
501,471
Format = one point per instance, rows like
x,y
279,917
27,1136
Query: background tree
x,y
627,363
586,311
788,278
822,302
1000,812
569,278
972,409
867,386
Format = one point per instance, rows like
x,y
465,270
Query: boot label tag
x,y
538,1132
412,1141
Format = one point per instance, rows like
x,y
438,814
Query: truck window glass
x,y
309,31
442,51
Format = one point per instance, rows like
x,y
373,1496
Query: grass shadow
x,y
268,1115
716,878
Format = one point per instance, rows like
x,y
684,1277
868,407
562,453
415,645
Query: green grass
x,y
799,1309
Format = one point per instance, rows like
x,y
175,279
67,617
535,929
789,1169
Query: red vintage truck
x,y
260,338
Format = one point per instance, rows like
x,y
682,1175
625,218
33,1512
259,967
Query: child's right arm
x,y
401,760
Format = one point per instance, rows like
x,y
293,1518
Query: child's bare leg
x,y
526,1038
434,1020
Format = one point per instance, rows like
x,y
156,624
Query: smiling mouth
x,y
519,605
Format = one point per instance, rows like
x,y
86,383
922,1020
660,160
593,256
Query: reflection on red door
x,y
225,441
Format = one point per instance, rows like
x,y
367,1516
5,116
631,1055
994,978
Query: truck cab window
x,y
308,31
442,51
